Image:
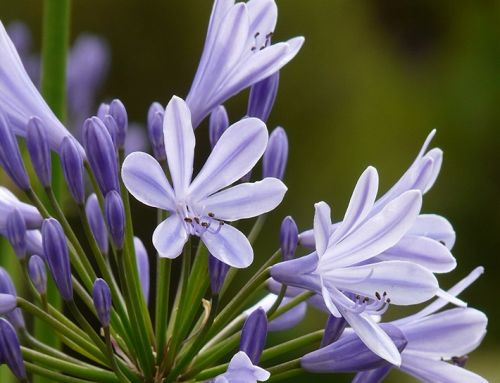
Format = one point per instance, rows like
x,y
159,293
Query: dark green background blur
x,y
373,78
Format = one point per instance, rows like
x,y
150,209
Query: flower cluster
x,y
384,252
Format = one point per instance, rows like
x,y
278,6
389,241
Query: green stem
x,y
52,375
290,304
278,301
111,355
291,345
257,227
283,367
286,374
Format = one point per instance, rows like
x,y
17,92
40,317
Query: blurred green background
x,y
373,78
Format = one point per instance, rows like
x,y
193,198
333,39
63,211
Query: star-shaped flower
x,y
205,205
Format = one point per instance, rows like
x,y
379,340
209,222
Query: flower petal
x,y
404,282
375,235
298,272
169,237
435,227
246,200
376,375
179,144
322,223
429,370
234,155
421,250
360,205
145,180
229,245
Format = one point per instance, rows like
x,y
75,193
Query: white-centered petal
x,y
322,223
228,245
169,237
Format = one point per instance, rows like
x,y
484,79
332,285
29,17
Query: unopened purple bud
x,y
10,156
72,165
103,110
262,96
11,349
16,232
350,354
155,130
218,123
218,271
141,256
15,316
289,238
254,334
56,253
38,273
101,154
115,217
102,301
333,330
96,223
8,302
276,154
119,113
377,375
38,148
110,124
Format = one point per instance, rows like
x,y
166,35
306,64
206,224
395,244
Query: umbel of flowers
x,y
383,253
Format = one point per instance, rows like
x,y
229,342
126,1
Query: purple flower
x,y
114,212
218,271
242,370
289,238
351,287
19,98
217,124
276,155
16,233
9,203
7,287
38,148
38,273
437,338
97,223
262,96
254,335
155,130
72,165
101,295
203,206
8,302
11,349
142,259
237,53
119,113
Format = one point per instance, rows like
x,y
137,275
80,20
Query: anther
x,y
377,294
188,220
211,215
197,220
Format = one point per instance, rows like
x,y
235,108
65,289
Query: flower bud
x,y
8,302
102,301
333,330
101,154
217,124
10,156
16,232
103,110
72,165
141,256
254,334
115,217
276,154
11,349
218,271
262,96
289,238
15,316
96,223
38,148
38,273
110,124
155,131
56,253
119,113
349,353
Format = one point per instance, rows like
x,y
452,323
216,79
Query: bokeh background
x,y
373,78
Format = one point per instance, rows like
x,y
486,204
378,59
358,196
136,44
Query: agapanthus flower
x,y
438,342
429,241
242,370
204,206
19,98
9,202
337,269
237,53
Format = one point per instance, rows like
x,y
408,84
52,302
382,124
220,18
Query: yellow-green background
x,y
373,78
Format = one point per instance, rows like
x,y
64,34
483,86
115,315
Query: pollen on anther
x,y
377,294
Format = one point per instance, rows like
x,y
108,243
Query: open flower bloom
x,y
437,338
204,205
242,370
19,98
341,271
431,237
237,53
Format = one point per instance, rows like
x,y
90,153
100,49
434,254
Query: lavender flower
x,y
437,338
16,233
119,113
200,207
254,335
8,302
262,96
276,155
289,238
242,370
101,294
15,316
19,98
11,349
38,273
72,165
96,223
333,330
155,130
349,288
38,148
218,271
9,203
237,53
142,259
217,125
115,217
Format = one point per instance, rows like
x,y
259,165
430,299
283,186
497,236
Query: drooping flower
x,y
204,206
341,271
438,342
19,98
237,53
429,241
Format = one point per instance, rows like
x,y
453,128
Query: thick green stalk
x,y
52,376
291,345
